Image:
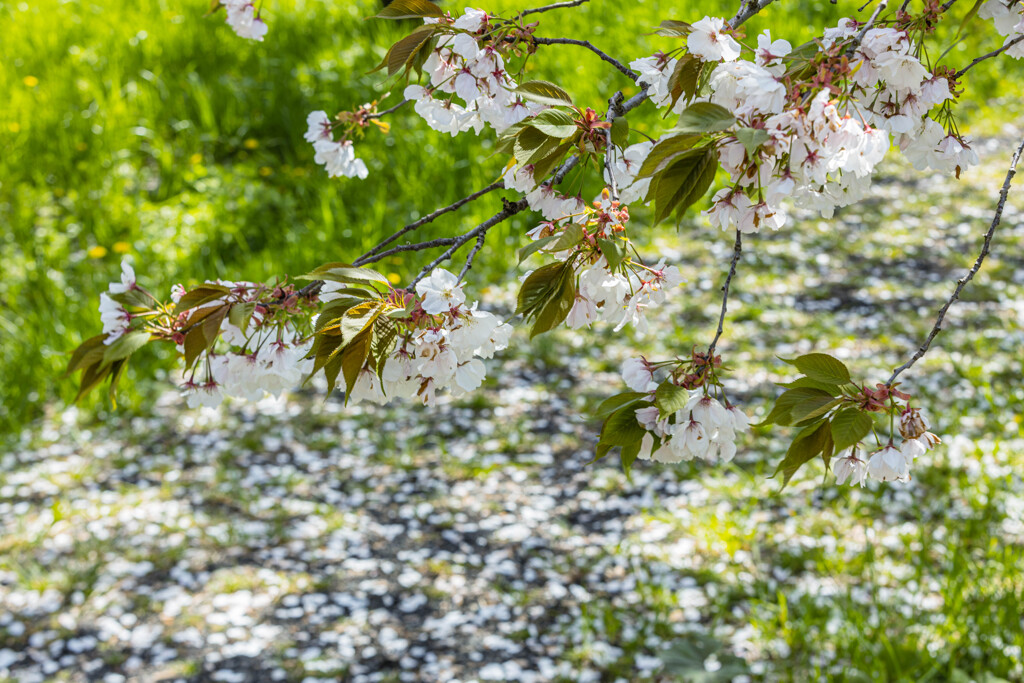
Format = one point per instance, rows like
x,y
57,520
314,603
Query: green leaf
x,y
601,451
403,52
542,167
568,238
554,122
91,377
202,294
670,28
409,9
666,150
849,426
531,142
133,297
810,442
622,429
807,382
614,251
545,93
684,79
537,288
194,345
345,273
751,138
821,367
670,398
88,353
812,408
557,307
628,455
353,358
357,319
684,182
620,131
535,246
784,404
125,345
704,117
241,314
614,403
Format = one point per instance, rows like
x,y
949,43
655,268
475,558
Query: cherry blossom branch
x,y
882,4
748,8
557,5
632,75
962,282
378,114
409,246
994,53
737,251
496,185
508,210
472,255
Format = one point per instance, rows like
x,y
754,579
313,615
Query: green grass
x,y
145,128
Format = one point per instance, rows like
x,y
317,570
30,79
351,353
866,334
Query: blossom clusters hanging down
x,y
804,125
591,247
461,65
810,126
680,417
337,156
435,340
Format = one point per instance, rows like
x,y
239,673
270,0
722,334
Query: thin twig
x,y
481,238
557,5
632,75
409,246
614,111
496,185
990,55
748,9
867,25
378,114
510,209
737,250
962,282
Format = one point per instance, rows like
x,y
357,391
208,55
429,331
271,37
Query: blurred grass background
x,y
146,129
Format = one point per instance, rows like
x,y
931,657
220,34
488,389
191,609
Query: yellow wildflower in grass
x,y
251,143
99,251
30,81
394,278
266,171
122,247
195,158
13,126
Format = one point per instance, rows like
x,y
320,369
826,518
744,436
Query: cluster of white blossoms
x,y
703,428
619,296
1008,16
816,142
460,66
266,358
115,317
625,166
440,347
338,157
244,19
620,299
890,463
